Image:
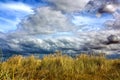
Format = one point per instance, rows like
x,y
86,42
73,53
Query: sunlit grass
x,y
60,67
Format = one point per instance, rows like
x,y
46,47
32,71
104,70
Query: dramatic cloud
x,y
49,30
45,20
89,42
69,5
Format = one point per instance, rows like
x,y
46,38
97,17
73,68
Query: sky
x,y
13,11
44,26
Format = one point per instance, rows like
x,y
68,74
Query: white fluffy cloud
x,y
45,20
51,20
69,5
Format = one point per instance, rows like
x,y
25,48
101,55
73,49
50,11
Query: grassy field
x,y
60,67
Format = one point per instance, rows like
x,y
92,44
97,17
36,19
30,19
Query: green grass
x,y
60,67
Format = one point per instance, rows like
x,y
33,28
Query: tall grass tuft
x,y
60,67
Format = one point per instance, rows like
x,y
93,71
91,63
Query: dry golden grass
x,y
60,67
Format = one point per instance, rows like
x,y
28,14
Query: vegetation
x,y
60,67
1,55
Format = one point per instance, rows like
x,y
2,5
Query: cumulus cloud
x,y
45,20
42,33
69,5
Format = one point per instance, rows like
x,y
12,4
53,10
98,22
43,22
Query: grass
x,y
60,67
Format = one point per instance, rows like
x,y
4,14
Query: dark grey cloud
x,y
80,42
88,42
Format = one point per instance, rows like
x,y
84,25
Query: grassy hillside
x,y
60,67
